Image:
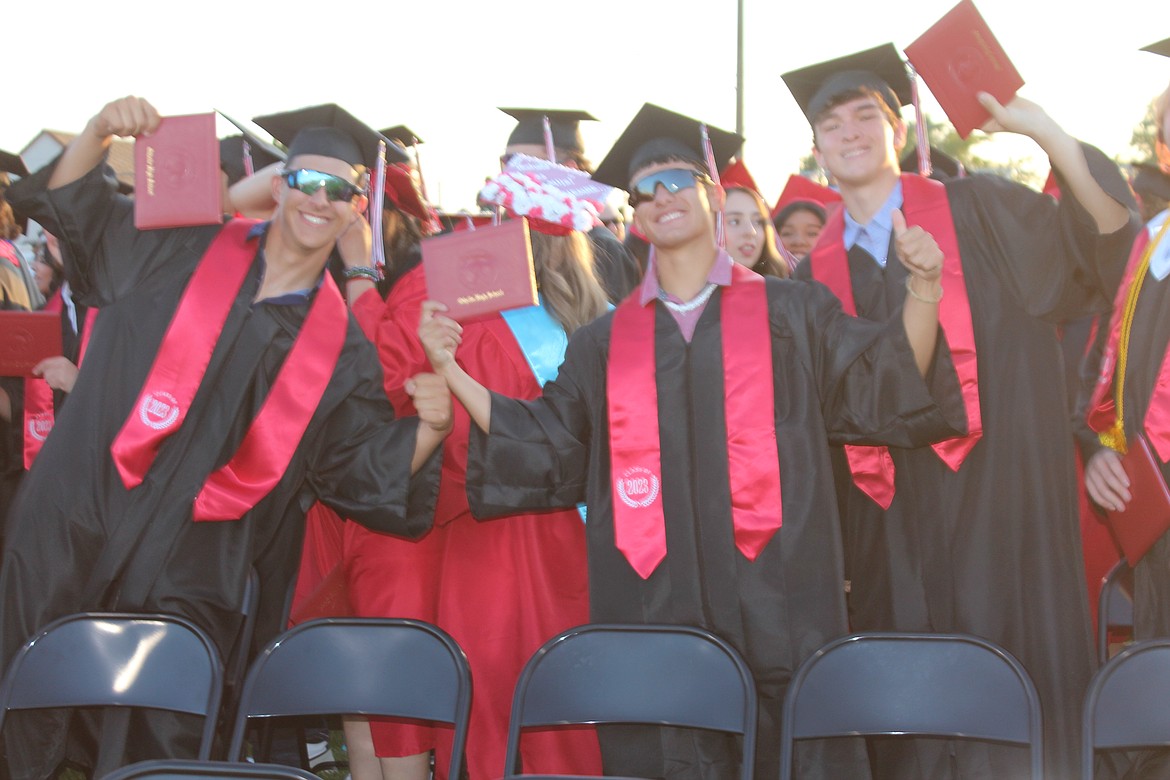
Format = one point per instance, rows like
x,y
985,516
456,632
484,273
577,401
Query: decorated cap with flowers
x,y
538,192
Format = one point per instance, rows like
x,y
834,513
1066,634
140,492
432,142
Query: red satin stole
x,y
182,361
1102,406
925,203
635,447
39,416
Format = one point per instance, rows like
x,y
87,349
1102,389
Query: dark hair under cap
x,y
327,142
811,206
880,69
664,150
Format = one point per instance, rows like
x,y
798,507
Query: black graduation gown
x,y
994,549
79,540
834,376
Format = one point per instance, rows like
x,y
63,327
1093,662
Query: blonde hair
x,y
564,273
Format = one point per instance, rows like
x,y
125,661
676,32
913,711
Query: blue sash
x,y
542,341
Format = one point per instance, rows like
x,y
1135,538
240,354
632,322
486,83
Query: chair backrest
x,y
176,769
665,675
1127,703
237,665
920,684
120,660
359,666
1114,606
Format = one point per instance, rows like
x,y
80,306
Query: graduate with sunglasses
x,y
695,421
225,388
981,534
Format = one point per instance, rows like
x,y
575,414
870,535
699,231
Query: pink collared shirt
x,y
687,320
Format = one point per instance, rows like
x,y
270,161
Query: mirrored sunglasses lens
x,y
673,179
309,182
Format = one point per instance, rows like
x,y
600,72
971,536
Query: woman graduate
x,y
501,588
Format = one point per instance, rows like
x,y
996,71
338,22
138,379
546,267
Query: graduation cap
x,y
880,69
12,163
330,131
737,175
232,158
1161,47
801,189
1149,180
565,124
942,165
656,134
401,135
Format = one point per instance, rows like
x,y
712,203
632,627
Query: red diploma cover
x,y
1147,516
27,338
957,57
176,174
482,271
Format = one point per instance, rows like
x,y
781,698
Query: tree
x,y
1141,143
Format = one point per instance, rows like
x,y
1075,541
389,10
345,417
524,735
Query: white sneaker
x,y
318,752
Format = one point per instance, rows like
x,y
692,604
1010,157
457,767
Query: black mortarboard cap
x,y
565,126
658,134
231,156
12,163
942,165
330,131
1161,47
231,152
1149,179
401,135
879,68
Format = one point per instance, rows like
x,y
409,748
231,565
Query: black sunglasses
x,y
309,181
673,179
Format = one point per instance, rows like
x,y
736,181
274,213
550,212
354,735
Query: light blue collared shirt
x,y
1160,256
875,236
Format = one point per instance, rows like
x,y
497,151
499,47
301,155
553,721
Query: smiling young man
x,y
979,534
695,421
225,388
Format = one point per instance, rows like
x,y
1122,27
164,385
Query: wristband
x,y
917,297
362,272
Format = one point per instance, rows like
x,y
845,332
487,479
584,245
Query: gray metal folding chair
x,y
660,675
173,769
359,666
1128,703
912,684
1114,606
118,660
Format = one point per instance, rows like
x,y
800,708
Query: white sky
x,y
442,68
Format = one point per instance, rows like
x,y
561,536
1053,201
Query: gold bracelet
x,y
917,297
